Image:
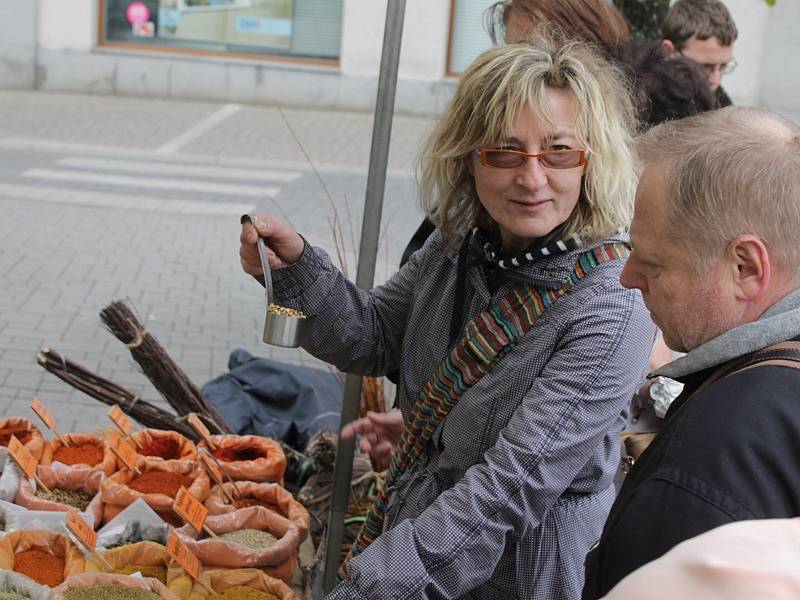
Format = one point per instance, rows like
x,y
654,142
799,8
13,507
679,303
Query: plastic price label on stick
x,y
126,453
201,429
184,557
24,459
121,420
190,509
43,413
81,530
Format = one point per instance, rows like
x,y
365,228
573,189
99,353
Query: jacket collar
x,y
781,322
551,271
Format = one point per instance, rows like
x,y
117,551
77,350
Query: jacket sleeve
x,y
358,331
456,543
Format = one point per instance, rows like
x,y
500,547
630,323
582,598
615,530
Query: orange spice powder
x,y
40,566
160,482
82,454
23,435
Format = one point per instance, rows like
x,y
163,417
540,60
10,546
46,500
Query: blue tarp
x,y
264,397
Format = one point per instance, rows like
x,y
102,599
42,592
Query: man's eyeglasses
x,y
498,158
724,68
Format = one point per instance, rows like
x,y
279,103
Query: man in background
x,y
704,31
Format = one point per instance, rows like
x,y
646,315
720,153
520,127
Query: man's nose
x,y
715,76
629,278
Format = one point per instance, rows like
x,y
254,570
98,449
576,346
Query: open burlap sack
x,y
220,580
279,560
122,581
57,544
268,495
117,495
265,459
25,431
144,554
173,445
61,477
108,464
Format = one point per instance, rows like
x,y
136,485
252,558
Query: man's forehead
x,y
708,50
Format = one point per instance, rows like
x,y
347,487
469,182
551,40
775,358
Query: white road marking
x,y
161,168
123,201
194,132
152,183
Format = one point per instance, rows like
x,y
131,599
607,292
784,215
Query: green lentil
x,y
13,596
241,592
75,498
254,539
108,591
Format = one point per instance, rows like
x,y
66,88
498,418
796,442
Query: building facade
x,y
313,53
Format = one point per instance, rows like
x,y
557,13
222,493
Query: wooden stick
x,y
61,439
40,484
207,529
226,494
106,564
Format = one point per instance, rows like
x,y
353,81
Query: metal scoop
x,y
279,329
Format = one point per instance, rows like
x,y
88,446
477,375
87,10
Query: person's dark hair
x,y
701,18
667,87
597,22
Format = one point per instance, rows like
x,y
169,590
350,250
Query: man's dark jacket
x,y
728,452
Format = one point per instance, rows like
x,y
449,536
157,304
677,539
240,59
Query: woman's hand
x,y
284,244
380,435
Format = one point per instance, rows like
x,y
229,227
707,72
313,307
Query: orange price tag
x,y
126,453
185,558
211,467
121,420
43,413
201,429
81,530
24,459
190,509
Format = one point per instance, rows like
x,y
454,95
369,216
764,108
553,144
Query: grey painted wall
x,y
18,27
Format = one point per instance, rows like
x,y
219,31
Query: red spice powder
x,y
160,482
23,435
228,454
165,448
40,566
83,454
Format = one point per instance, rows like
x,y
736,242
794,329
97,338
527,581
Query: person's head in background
x,y
595,22
666,87
704,31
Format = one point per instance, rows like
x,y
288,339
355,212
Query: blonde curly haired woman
x,y
518,349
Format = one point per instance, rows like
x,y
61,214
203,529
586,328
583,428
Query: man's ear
x,y
751,267
668,46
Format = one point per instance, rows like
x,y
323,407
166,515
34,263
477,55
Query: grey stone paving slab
x,y
62,262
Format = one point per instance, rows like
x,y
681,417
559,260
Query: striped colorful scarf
x,y
487,338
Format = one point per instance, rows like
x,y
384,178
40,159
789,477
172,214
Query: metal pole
x,y
370,232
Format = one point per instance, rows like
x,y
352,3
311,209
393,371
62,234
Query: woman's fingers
x,y
284,244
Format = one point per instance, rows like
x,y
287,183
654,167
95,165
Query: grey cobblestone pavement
x,y
105,198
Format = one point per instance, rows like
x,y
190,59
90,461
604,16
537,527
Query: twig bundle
x,y
167,377
110,393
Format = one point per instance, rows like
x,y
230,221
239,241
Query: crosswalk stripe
x,y
153,183
123,201
160,168
194,132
